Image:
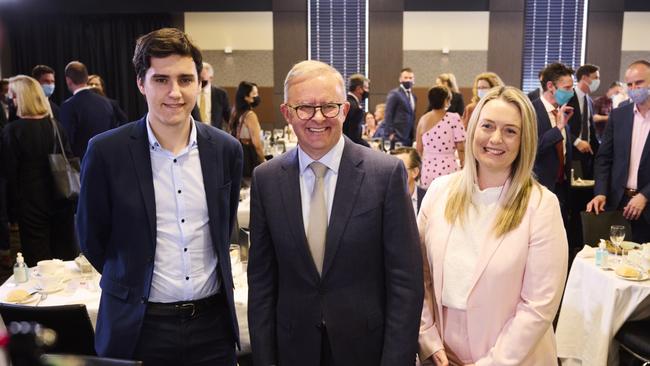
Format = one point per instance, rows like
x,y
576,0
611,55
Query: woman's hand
x,y
440,358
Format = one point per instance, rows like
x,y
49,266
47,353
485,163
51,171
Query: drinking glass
x,y
386,145
616,235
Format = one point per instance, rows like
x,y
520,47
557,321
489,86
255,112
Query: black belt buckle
x,y
187,306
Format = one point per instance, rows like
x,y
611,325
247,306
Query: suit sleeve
x,y
548,139
403,273
69,121
543,284
94,209
236,167
262,283
389,115
604,159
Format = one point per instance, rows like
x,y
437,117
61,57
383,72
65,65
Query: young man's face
x,y
46,79
171,88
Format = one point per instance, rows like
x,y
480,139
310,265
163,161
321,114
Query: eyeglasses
x,y
307,112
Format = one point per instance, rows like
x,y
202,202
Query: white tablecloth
x,y
596,304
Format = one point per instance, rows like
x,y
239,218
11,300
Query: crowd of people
x,y
454,250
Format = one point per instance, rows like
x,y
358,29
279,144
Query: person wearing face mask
x,y
604,104
482,83
581,124
552,162
212,106
45,76
399,117
358,91
622,167
245,126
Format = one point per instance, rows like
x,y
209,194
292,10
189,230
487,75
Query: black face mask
x,y
407,84
365,95
204,83
256,101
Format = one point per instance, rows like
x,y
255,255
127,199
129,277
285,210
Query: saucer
x,y
643,277
49,291
28,300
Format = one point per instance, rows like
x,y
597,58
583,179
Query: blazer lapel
x,y
207,156
290,192
438,265
348,184
139,148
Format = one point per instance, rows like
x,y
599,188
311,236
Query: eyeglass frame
x,y
315,107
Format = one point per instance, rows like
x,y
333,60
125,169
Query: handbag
x,y
66,178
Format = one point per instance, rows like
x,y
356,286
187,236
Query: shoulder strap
x,y
57,138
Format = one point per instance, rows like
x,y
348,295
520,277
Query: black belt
x,y
184,308
631,192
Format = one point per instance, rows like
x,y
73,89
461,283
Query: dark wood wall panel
x,y
505,45
603,46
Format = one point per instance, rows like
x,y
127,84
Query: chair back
x,y
596,227
51,359
71,323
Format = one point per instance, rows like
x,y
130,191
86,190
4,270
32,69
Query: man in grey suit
x,y
335,270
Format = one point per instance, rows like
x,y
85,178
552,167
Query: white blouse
x,y
465,244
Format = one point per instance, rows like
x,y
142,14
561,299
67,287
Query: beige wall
x,y
239,30
635,44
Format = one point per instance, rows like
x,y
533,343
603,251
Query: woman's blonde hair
x,y
515,200
449,80
30,99
493,79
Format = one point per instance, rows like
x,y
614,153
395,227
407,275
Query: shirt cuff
x,y
577,141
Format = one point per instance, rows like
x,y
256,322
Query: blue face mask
x,y
480,93
562,96
48,89
640,95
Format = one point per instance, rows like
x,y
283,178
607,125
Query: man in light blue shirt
x,y
157,205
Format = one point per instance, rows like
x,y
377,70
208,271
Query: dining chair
x,y
596,227
74,331
57,359
634,339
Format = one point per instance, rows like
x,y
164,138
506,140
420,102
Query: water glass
x,y
616,235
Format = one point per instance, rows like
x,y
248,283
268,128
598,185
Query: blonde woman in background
x,y
380,111
482,83
457,104
494,247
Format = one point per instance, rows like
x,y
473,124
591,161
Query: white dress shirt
x,y
185,266
465,244
332,160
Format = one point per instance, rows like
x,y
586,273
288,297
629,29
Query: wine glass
x,y
616,235
386,145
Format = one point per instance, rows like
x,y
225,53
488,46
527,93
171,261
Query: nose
x,y
318,115
175,89
496,137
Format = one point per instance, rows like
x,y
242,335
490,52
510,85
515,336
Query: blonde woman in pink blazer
x,y
494,247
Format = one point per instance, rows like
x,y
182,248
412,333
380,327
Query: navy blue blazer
x,y
85,115
612,165
546,161
399,116
353,124
116,220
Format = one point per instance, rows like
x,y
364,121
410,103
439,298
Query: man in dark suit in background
x,y
158,202
535,94
552,163
335,269
213,105
413,163
358,90
583,131
399,120
45,76
86,113
622,167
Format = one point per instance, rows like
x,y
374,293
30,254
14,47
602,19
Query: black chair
x,y
634,339
75,334
76,360
596,227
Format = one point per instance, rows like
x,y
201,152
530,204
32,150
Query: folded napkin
x,y
587,252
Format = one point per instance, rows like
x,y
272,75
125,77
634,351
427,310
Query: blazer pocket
x,y
113,288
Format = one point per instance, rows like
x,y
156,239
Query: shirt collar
x,y
353,96
579,93
549,107
153,141
331,160
81,89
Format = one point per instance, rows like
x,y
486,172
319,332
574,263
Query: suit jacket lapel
x,y
348,184
139,148
290,192
627,123
207,156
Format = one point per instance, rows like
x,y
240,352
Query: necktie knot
x,y
318,168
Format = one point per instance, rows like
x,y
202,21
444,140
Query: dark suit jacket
x,y
421,193
534,94
575,123
370,293
116,221
56,111
399,116
613,160
352,127
546,161
220,108
85,115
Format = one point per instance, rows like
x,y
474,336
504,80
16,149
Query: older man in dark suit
x,y
85,114
335,270
157,205
622,168
399,120
212,105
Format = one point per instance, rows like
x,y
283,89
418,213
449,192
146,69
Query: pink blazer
x,y
516,286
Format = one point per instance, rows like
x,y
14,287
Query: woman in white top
x,y
245,126
494,247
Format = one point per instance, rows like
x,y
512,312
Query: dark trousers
x,y
201,339
47,233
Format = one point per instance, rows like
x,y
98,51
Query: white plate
x,y
30,299
628,245
49,291
644,276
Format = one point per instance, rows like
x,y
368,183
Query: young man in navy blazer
x,y
158,201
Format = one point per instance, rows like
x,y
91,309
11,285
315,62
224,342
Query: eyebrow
x,y
507,124
167,76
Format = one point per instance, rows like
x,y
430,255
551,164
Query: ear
x,y
346,108
286,113
140,83
416,171
549,84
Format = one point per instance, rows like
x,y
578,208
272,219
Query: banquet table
x,y
78,291
596,303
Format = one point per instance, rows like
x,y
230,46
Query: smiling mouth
x,y
493,151
316,130
173,106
